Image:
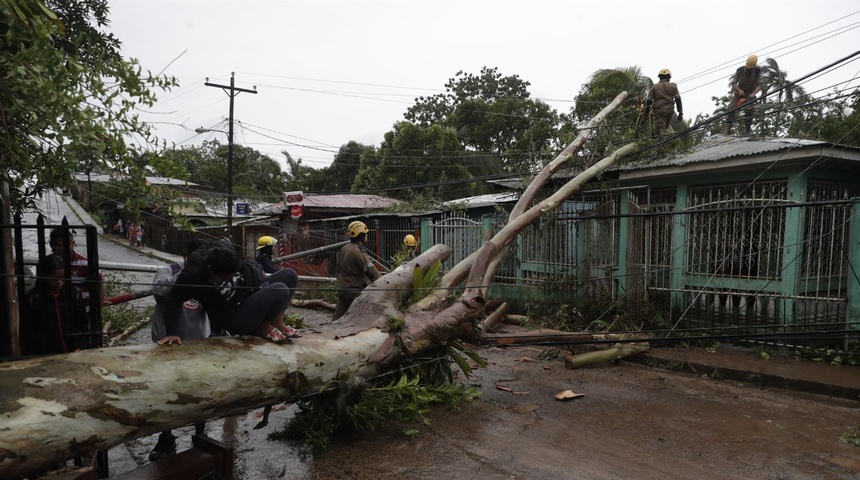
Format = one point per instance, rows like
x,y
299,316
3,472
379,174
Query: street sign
x,y
297,211
241,209
293,197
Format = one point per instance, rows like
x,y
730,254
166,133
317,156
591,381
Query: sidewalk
x,y
744,365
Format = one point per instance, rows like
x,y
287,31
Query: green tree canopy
x,y
492,114
255,174
67,93
429,159
604,85
835,118
627,122
343,170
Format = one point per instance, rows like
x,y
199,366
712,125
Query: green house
x,y
741,235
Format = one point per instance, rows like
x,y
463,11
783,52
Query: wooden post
x,y
9,294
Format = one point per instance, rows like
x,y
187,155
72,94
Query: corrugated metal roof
x,y
487,200
82,177
338,201
721,147
348,201
715,148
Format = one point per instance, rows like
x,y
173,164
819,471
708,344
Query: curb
x,y
79,212
761,379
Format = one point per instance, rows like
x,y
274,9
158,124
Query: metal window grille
x,y
824,272
649,246
730,239
600,243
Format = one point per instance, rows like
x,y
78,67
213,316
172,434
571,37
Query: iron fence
x,y
737,258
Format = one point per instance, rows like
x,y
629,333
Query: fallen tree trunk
x,y
494,318
615,352
54,408
57,407
555,337
104,397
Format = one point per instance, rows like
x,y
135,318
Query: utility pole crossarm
x,y
237,90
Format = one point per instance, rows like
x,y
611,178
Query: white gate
x,y
462,235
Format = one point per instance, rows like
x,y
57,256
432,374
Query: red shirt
x,y
80,273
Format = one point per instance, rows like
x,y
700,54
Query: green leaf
x,y
460,361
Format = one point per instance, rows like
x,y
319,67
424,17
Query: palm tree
x,y
628,78
785,91
606,83
602,87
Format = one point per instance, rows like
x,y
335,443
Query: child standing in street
x,y
131,230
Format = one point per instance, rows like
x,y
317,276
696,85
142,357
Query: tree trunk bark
x,y
494,318
57,407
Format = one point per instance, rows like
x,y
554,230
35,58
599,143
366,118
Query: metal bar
x,y
94,285
691,209
15,322
312,251
131,267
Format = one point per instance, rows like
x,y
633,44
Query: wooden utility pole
x,y
8,292
231,91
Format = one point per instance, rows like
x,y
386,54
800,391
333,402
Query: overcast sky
x,y
328,72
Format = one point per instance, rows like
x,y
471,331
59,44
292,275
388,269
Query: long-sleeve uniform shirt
x,y
355,270
665,95
747,79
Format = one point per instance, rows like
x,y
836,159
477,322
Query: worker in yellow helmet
x,y
410,245
663,97
355,269
265,249
745,84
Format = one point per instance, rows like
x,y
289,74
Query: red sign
x,y
297,211
293,197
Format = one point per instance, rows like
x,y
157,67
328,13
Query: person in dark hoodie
x,y
265,249
236,296
51,316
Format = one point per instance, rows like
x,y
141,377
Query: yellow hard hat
x,y
356,228
665,71
265,241
409,240
752,61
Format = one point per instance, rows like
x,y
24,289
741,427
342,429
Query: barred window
x,y
734,235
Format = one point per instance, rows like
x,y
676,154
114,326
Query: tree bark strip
x,y
494,318
548,336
